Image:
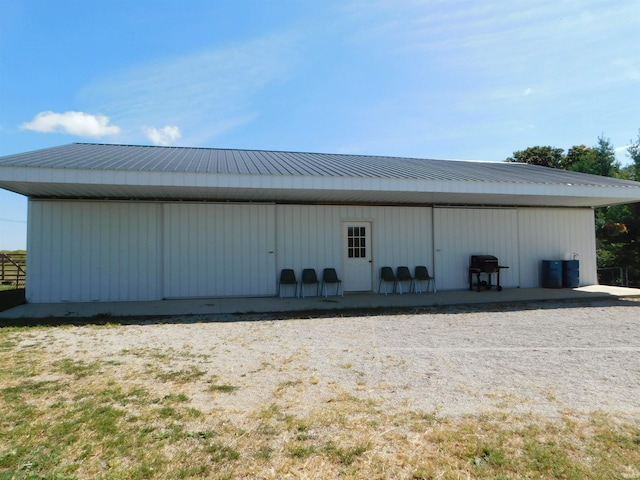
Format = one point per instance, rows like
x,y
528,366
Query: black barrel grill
x,y
484,265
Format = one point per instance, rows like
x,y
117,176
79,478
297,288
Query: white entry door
x,y
357,256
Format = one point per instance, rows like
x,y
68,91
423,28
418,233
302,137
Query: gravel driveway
x,y
545,358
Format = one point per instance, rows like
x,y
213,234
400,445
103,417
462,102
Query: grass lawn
x,y
133,417
4,288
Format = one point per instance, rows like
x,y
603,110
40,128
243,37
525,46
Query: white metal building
x,y
122,223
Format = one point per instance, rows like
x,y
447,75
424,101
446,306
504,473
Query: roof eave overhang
x,y
145,185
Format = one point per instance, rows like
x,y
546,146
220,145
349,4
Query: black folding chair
x,y
287,277
329,276
387,276
404,275
422,275
309,277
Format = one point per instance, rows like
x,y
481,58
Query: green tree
x,y
628,247
579,157
617,226
543,156
606,158
633,152
598,160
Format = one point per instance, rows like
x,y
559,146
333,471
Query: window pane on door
x,y
356,245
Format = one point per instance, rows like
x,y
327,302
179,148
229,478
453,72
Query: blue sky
x,y
434,78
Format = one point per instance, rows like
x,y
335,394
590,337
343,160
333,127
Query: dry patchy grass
x,y
66,418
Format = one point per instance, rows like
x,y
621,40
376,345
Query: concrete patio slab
x,y
225,306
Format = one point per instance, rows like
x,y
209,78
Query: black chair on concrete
x,y
404,275
422,275
387,276
309,277
287,277
329,276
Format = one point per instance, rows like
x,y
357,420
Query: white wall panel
x,y
462,232
550,234
219,250
310,236
93,251
403,236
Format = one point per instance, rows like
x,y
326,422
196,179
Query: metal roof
x,y
130,171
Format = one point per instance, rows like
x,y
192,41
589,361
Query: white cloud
x,y
72,123
163,136
527,92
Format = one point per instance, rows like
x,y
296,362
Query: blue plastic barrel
x,y
571,273
552,274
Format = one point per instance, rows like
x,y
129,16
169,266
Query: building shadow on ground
x,y
11,298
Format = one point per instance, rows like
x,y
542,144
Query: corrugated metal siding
x,y
311,236
308,237
460,233
402,236
550,234
93,251
218,250
106,251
